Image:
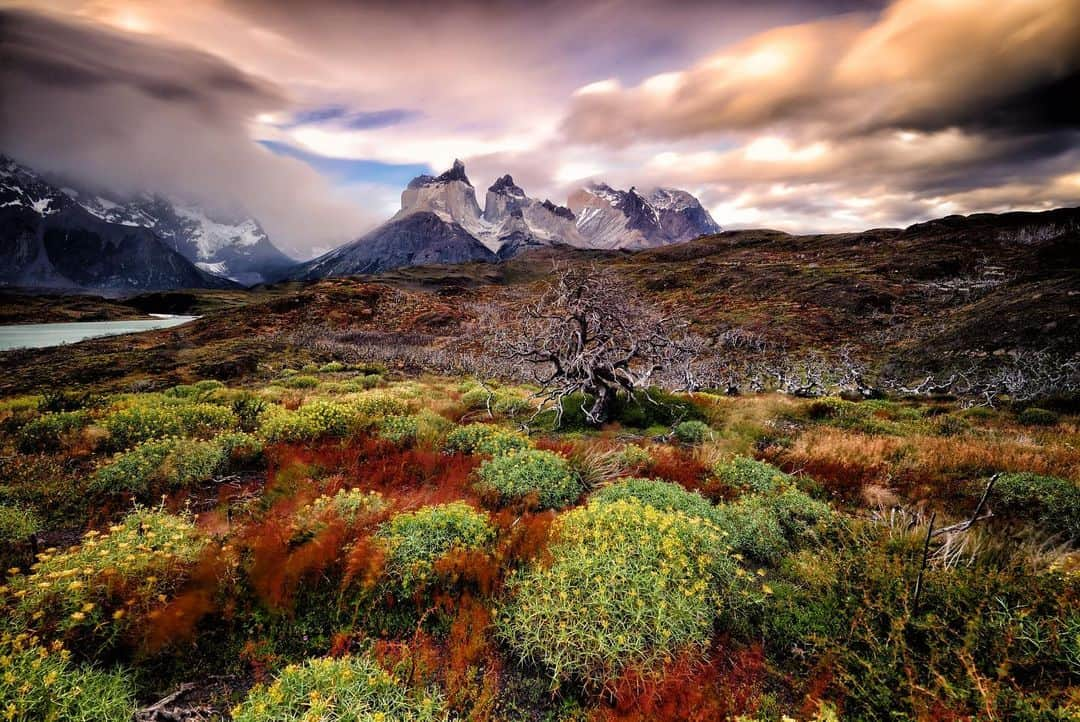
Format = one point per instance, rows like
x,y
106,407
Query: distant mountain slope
x,y
509,223
47,240
415,239
236,248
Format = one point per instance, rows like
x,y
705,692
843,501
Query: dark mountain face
x,y
416,239
72,249
48,240
236,248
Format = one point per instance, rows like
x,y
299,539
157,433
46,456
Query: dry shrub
x,y
844,462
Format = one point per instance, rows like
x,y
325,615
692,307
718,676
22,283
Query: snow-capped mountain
x,y
440,221
611,218
236,248
49,240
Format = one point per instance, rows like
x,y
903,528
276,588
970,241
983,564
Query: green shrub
x,y
248,409
748,474
99,586
46,432
634,457
39,683
330,417
300,381
346,689
347,506
279,425
375,405
311,421
416,540
203,419
692,432
1034,416
132,425
660,495
1049,501
143,421
332,367
399,429
477,398
239,448
654,407
511,406
17,524
527,473
199,390
765,527
628,587
485,439
160,464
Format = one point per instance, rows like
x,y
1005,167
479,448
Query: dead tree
x,y
589,333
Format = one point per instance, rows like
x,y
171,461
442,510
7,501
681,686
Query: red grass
x,y
689,689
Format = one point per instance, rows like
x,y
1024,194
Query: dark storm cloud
x,y
132,114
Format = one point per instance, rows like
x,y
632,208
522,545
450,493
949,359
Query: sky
x,y
812,116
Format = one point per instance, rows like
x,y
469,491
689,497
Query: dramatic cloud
x,y
808,116
131,114
922,65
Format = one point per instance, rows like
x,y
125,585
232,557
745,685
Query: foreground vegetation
x,y
342,543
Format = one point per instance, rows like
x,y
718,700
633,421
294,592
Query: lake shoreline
x,y
26,336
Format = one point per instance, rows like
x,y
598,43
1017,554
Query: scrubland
x,y
343,543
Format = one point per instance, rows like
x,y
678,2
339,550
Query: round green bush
x,y
1034,416
628,586
153,466
416,540
661,495
346,689
520,474
765,527
300,381
313,420
399,429
375,405
748,474
332,367
485,439
693,432
1049,501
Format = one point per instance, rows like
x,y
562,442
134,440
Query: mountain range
x,y
53,235
440,221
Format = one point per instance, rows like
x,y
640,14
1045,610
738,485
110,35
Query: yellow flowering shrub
x,y
416,540
101,585
40,683
629,586
348,689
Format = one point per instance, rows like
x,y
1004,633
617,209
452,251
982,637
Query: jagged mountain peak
x,y
506,185
456,173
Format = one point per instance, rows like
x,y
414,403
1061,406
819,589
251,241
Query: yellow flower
x,y
78,616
